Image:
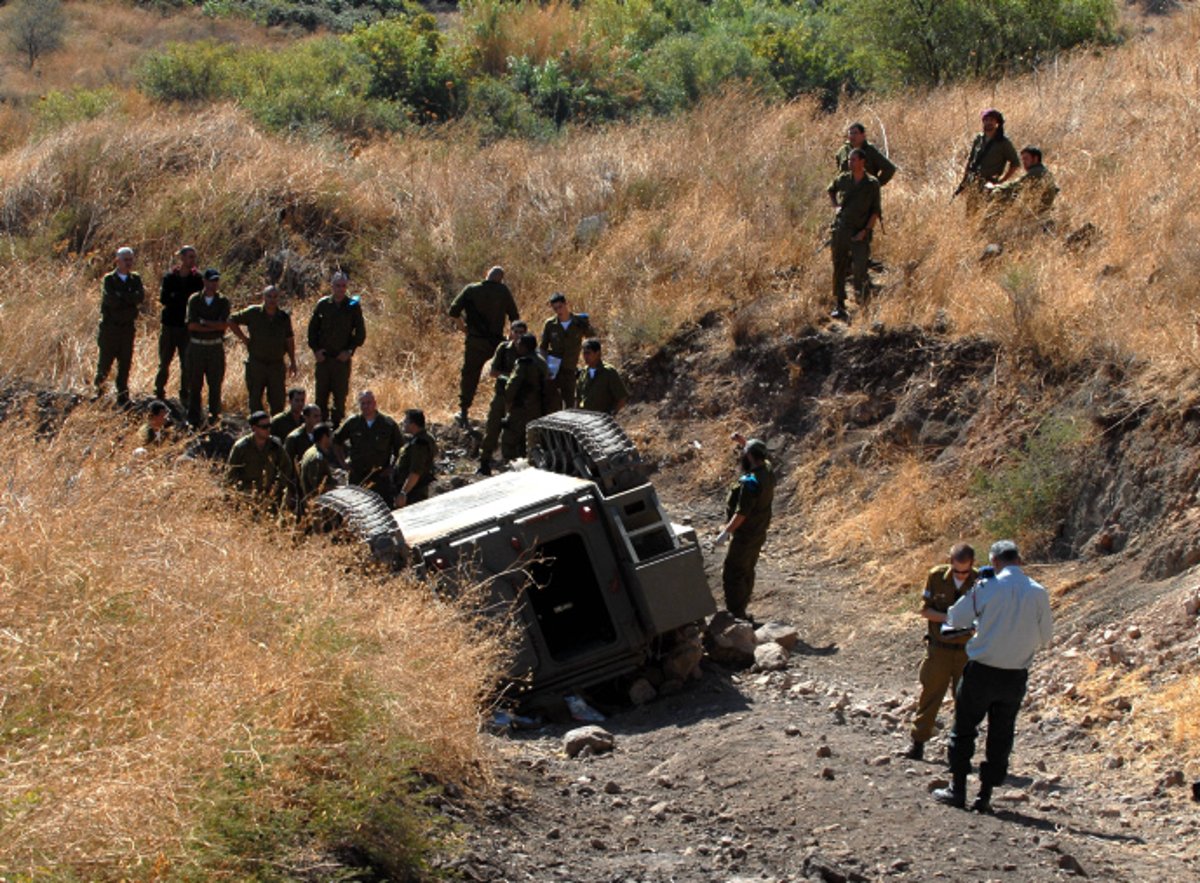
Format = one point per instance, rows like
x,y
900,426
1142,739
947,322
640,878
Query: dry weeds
x,y
147,634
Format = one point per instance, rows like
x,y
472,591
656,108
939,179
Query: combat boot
x,y
955,795
916,751
485,467
983,803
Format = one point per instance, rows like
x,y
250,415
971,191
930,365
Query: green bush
x,y
334,15
188,72
57,109
406,62
498,111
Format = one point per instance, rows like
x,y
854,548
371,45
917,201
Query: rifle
x,y
967,178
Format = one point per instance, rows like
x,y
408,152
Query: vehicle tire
x,y
586,444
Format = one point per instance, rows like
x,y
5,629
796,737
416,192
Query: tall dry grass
x,y
151,637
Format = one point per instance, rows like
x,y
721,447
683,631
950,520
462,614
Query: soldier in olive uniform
x,y
1032,194
178,285
316,466
748,510
207,319
993,160
878,165
503,362
945,655
121,293
154,430
525,395
258,463
300,439
482,306
415,467
562,341
855,195
368,442
268,338
285,422
335,331
600,387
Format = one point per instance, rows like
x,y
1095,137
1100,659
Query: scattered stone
x,y
1192,604
642,691
1109,636
553,834
1109,812
1133,633
730,640
824,751
785,636
658,812
934,784
1015,796
881,760
588,230
991,250
1071,865
597,844
1173,779
682,663
791,730
613,788
595,740
770,657
827,773
1114,762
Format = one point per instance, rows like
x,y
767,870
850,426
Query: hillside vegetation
x,y
163,661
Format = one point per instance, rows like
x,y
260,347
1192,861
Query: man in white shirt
x,y
1012,620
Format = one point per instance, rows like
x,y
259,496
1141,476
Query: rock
x,y
1112,538
770,657
596,740
934,784
824,751
1192,605
1173,779
1133,633
1114,762
612,787
1109,636
658,812
991,250
827,773
1109,812
683,662
642,691
597,844
785,636
881,760
791,730
588,230
730,639
1071,865
1015,796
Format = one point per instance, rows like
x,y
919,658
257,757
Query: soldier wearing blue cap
x,y
748,515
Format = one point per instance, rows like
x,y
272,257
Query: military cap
x,y
757,447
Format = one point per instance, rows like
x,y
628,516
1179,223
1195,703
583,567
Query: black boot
x,y
916,751
983,803
955,795
485,467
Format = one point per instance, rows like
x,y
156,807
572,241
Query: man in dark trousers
x,y
415,467
207,321
561,344
748,514
855,195
503,363
178,285
335,331
1012,620
369,442
121,293
269,339
482,308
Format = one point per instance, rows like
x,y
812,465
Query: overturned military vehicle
x,y
577,545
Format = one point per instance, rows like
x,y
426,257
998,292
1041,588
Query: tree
x,y
36,27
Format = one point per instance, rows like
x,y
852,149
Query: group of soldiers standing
x,y
988,181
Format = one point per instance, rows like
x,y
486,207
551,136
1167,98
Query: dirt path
x,y
748,776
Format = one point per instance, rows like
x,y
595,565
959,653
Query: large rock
x,y
642,691
683,661
770,657
785,636
731,639
593,739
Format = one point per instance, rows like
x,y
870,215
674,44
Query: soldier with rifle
x,y
855,195
482,307
993,160
525,395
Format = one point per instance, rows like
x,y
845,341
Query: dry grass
x,y
148,637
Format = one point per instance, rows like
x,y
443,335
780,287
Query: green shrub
x,y
1027,496
57,109
406,63
334,15
498,111
188,72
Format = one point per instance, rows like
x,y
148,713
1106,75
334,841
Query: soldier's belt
x,y
946,645
208,341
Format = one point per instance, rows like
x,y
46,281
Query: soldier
x,y
562,340
283,423
855,195
268,338
525,395
369,442
258,463
945,655
121,293
878,165
992,160
1034,191
748,510
415,467
503,362
316,467
207,319
482,307
335,331
300,439
600,387
1012,620
178,285
154,430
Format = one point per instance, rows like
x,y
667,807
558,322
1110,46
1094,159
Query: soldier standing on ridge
x,y
207,319
178,285
525,394
855,195
748,510
482,307
878,165
335,331
268,338
415,466
562,341
121,295
502,366
945,655
992,160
